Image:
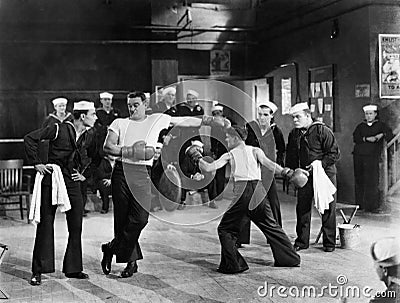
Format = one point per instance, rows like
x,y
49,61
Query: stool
x,y
4,247
340,207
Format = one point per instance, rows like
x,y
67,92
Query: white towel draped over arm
x,y
34,210
59,190
323,187
59,194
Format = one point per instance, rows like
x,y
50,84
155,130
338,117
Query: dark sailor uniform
x,y
63,152
317,142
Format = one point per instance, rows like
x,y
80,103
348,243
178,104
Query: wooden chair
x,y
11,184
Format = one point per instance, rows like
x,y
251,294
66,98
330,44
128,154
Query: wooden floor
x,y
180,263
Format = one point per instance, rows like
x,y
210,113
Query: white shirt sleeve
x,y
165,121
115,126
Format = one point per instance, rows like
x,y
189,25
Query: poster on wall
x,y
321,94
220,62
286,86
389,66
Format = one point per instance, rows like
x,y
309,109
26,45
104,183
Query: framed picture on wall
x,y
321,94
220,62
389,66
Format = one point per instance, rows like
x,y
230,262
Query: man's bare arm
x,y
111,146
263,159
213,166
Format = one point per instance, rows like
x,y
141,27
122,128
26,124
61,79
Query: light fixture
x,y
335,29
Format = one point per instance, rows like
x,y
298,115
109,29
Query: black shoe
x,y
297,248
329,249
182,206
86,211
107,258
77,275
129,270
226,272
103,211
36,279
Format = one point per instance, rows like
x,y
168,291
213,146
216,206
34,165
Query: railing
x,y
393,162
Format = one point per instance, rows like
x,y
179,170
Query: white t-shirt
x,y
245,167
148,130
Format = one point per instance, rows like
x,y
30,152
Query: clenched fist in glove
x,y
298,177
138,151
194,153
215,121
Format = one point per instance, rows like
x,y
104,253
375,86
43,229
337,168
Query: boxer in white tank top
x,y
249,201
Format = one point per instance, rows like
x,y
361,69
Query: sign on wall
x,y
362,91
389,66
220,62
321,94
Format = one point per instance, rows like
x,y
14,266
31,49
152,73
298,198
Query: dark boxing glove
x,y
287,173
194,154
138,151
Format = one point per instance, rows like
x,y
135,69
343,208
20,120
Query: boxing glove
x,y
194,154
215,121
299,177
138,151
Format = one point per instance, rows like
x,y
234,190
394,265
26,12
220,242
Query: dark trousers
x,y
273,200
131,197
231,225
366,178
305,197
43,252
84,185
105,192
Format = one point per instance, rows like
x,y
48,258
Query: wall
x,y
383,20
311,46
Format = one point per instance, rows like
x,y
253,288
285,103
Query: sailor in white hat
x,y
191,107
106,114
264,133
386,255
367,138
64,140
166,104
60,113
312,141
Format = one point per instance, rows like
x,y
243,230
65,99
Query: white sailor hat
x,y
58,101
270,105
298,107
84,105
159,145
170,89
197,143
192,92
386,252
217,107
147,95
106,95
370,107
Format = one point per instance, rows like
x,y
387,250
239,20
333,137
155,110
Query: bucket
x,y
349,235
